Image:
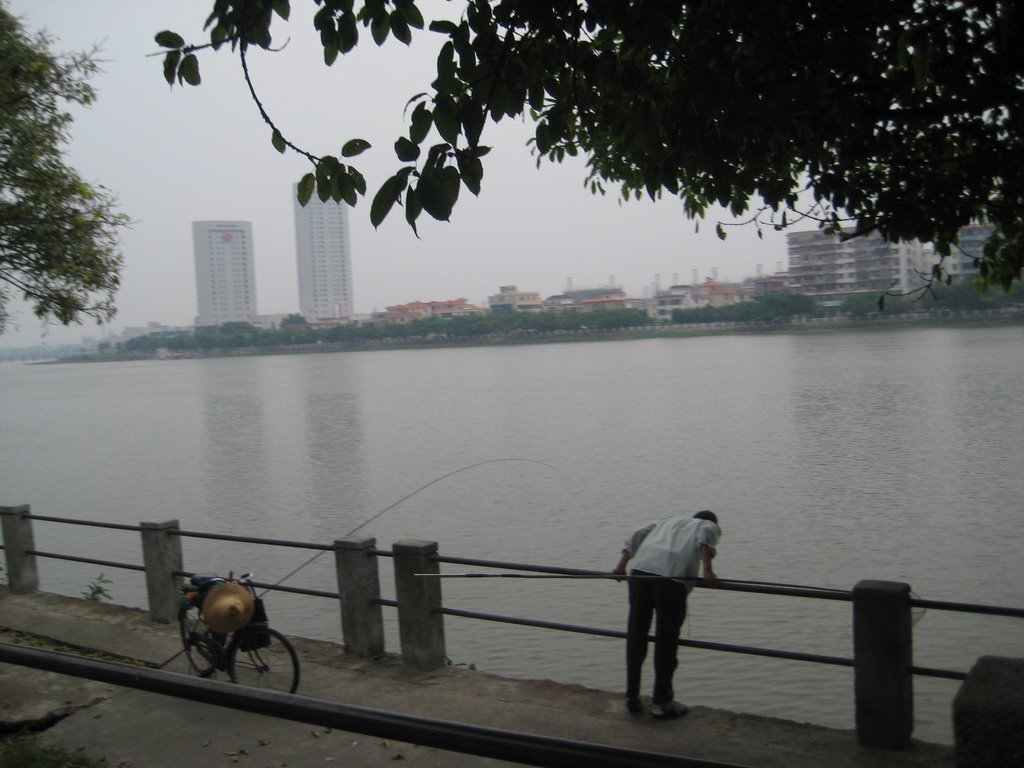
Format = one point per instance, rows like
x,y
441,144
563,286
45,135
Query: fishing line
x,y
406,498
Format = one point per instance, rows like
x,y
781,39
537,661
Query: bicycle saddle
x,y
203,581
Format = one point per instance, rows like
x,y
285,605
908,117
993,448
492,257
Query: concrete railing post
x,y
988,712
161,555
362,621
882,658
420,625
22,573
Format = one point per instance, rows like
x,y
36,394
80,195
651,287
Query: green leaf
x,y
189,70
348,32
406,151
422,119
354,147
432,197
412,15
438,192
171,66
379,28
720,231
472,116
385,199
330,54
306,186
444,27
168,39
445,68
445,120
282,8
400,28
472,171
413,208
544,140
357,180
278,141
347,189
217,36
324,188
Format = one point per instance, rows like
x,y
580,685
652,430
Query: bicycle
x,y
254,655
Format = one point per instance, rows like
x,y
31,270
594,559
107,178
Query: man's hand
x,y
620,567
710,577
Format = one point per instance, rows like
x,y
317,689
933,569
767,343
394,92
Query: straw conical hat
x,y
227,607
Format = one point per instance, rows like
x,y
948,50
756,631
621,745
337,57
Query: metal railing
x,y
421,612
819,593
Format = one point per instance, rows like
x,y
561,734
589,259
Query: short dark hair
x,y
707,514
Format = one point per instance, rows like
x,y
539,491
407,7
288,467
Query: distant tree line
x,y
770,308
956,297
295,331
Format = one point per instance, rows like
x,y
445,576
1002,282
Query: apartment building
x,y
323,258
510,299
225,275
831,269
960,263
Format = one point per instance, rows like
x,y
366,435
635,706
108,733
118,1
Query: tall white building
x,y
324,259
225,278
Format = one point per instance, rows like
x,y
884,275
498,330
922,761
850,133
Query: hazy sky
x,y
174,156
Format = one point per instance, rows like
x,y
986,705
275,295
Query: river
x,y
829,457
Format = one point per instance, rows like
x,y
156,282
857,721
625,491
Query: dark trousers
x,y
648,597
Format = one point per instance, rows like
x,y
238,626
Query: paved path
x,y
136,729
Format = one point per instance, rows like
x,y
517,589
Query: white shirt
x,y
671,547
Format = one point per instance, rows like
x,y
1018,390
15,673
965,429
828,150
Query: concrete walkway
x,y
136,729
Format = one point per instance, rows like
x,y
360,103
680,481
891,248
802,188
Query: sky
x,y
172,156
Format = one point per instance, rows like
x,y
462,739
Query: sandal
x,y
669,711
635,706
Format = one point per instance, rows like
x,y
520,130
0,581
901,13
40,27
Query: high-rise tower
x,y
324,260
225,278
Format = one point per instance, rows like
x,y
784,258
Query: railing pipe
x,y
90,560
90,523
253,540
619,634
987,610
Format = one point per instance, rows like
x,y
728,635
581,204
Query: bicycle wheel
x,y
200,648
273,666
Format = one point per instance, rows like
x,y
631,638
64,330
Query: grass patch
x,y
27,752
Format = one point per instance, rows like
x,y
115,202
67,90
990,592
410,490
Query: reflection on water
x,y
236,462
829,458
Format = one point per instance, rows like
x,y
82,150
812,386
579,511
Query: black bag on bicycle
x,y
255,635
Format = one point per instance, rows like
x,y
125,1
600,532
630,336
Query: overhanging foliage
x,y
904,116
57,233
